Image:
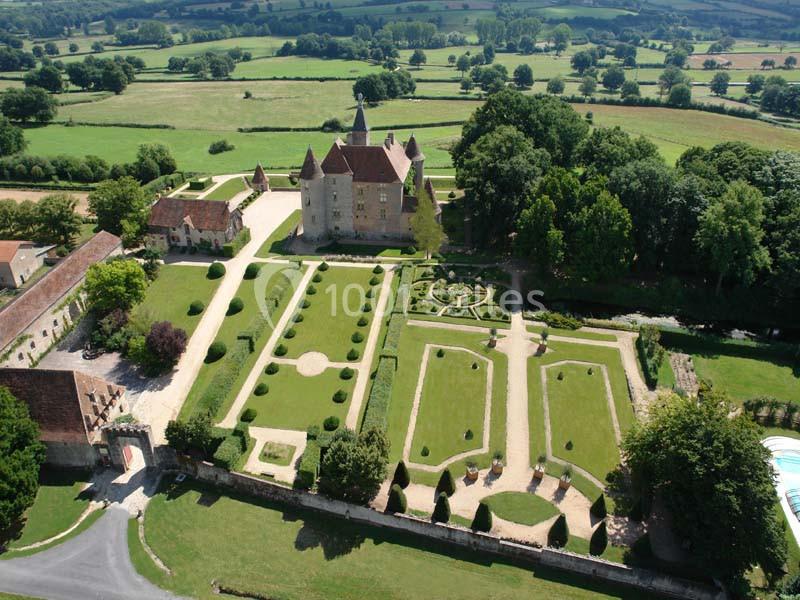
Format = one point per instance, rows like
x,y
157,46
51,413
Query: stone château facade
x,y
360,191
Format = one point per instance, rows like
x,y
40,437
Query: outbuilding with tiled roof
x,y
182,222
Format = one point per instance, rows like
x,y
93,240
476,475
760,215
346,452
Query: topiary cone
x,y
598,509
401,475
483,518
446,483
599,541
397,500
559,533
441,512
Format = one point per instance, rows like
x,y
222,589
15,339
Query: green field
x,y
333,314
520,507
277,454
169,296
411,347
202,535
446,415
59,502
579,417
227,190
570,333
295,401
582,408
229,330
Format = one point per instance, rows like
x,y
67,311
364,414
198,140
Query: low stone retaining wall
x,y
593,568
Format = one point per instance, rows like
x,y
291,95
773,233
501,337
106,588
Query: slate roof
x,y
17,315
260,177
59,401
360,121
413,151
311,167
210,215
367,164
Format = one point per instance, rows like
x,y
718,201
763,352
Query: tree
x,y
21,456
160,155
599,540
523,76
371,87
98,47
115,202
418,58
603,239
719,83
451,60
607,148
462,64
194,434
483,518
562,36
790,62
446,485
680,95
109,25
588,86
555,86
714,478
500,174
118,283
46,77
166,343
467,85
537,236
397,500
581,61
488,53
630,89
51,49
12,140
669,78
354,467
755,83
598,508
73,48
113,78
29,103
401,475
441,512
558,535
731,235
614,78
426,228
56,219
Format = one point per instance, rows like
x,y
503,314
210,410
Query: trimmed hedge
x,y
272,368
353,354
446,485
380,395
598,508
215,270
228,453
232,248
308,470
441,512
223,381
164,182
196,307
242,432
651,353
483,518
397,500
357,337
560,321
340,396
346,373
401,475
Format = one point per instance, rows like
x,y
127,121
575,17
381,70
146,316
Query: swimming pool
x,y
788,463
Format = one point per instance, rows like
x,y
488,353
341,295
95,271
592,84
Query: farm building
x,y
19,261
203,224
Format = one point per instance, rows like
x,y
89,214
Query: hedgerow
x,y
309,466
380,395
651,353
228,453
232,248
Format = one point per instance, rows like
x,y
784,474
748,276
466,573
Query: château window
x,y
360,191
335,196
383,214
384,197
337,214
360,205
308,200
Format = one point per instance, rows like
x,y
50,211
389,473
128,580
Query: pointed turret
x,y
359,135
417,158
311,167
260,181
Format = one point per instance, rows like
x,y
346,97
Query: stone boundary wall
x,y
593,568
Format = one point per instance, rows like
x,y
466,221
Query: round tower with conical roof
x,y
312,198
359,135
417,158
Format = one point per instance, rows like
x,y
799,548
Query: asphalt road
x,y
94,565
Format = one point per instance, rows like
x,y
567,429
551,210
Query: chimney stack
x,y
389,140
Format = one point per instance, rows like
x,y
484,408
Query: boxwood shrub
x,y
346,373
317,277
353,354
249,415
281,350
305,303
374,281
252,270
272,368
331,423
236,305
311,290
367,307
323,267
298,318
378,269
357,337
340,396
228,453
261,389
289,333
363,321
196,307
215,270
216,351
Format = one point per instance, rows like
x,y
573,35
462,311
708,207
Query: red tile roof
x,y
9,248
59,401
368,164
17,315
211,215
259,177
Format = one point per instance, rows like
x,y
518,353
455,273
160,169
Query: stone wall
x,y
71,454
597,569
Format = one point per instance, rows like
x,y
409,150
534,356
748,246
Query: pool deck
x,y
785,481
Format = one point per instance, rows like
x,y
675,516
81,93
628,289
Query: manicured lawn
x,y
333,313
584,407
581,546
453,402
412,344
271,551
231,327
382,251
745,378
274,243
82,526
59,503
278,454
275,150
176,287
576,333
295,401
579,414
519,507
227,190
666,377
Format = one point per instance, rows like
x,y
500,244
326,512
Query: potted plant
x,y
497,463
492,337
565,481
472,471
538,470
